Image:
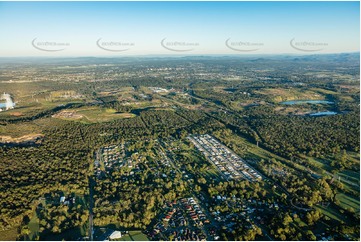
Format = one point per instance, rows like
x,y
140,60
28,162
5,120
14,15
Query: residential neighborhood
x,y
228,163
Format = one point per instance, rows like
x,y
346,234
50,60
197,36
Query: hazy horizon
x,y
101,29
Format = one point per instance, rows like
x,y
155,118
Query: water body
x,y
3,105
9,103
306,101
324,113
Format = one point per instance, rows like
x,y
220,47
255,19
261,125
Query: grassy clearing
x,y
144,104
9,235
282,94
323,91
347,176
18,130
350,176
347,201
34,227
97,114
93,115
212,173
134,236
332,212
354,156
321,164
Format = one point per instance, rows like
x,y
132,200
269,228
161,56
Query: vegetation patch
x,y
92,115
348,202
134,236
26,139
282,94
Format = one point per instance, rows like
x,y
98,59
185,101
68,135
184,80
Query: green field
x,y
351,176
331,212
16,131
94,115
320,164
347,201
34,227
323,164
134,236
282,94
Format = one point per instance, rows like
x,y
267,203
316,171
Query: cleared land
x,y
25,138
92,115
282,94
9,235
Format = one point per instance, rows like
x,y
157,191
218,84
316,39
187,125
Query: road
x,y
92,183
91,205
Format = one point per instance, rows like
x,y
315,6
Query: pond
x,y
292,102
324,113
3,105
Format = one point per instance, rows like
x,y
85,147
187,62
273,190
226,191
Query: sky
x,y
177,28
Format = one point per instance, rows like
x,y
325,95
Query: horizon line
x,y
188,55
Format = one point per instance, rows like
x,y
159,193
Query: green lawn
x,y
34,226
350,176
347,201
321,164
212,172
16,130
97,114
332,212
283,94
134,236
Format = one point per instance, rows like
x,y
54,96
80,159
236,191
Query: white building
x,y
115,235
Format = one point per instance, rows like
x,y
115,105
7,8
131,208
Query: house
x,y
62,199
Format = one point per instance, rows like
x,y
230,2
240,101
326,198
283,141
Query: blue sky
x,y
139,27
